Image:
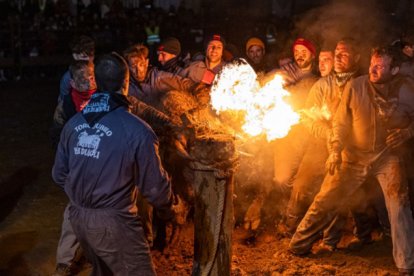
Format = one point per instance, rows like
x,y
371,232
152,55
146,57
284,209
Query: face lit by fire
x,y
138,67
84,79
345,59
256,54
214,52
303,57
380,70
326,62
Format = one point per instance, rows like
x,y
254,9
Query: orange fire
x,y
265,112
316,113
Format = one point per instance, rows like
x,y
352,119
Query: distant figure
x,y
406,46
256,55
83,48
169,55
83,85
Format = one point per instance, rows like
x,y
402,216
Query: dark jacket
x,y
156,84
198,70
174,66
105,154
64,86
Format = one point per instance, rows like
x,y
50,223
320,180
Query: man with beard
x,y
374,119
147,88
169,55
82,83
147,83
83,48
299,77
322,103
256,55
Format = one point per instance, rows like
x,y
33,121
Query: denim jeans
x,y
337,190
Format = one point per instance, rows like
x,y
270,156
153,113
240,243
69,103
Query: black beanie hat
x,y
215,37
170,45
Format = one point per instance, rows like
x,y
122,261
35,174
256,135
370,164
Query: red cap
x,y
215,37
304,42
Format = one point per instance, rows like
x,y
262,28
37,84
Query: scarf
x,y
173,66
102,103
342,78
386,98
81,98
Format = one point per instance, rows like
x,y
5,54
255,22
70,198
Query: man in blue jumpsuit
x,y
105,156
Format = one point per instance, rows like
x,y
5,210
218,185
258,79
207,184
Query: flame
x,y
265,112
316,113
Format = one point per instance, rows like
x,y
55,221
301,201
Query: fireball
x,y
265,111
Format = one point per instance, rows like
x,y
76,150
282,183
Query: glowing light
x,y
317,113
265,112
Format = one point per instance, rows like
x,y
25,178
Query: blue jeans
x,y
336,192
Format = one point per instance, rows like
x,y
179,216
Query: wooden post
x,y
213,217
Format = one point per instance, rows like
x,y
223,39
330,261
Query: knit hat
x,y
170,45
304,42
254,41
216,37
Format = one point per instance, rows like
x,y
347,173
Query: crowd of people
x,y
335,165
114,136
34,31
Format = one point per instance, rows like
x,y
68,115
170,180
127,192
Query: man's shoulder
x,y
197,64
323,84
132,122
360,80
65,76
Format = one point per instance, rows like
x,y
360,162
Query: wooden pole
x,y
213,216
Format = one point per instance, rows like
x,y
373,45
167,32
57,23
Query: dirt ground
x,y
32,207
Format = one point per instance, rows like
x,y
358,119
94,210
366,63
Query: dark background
x,y
35,38
34,53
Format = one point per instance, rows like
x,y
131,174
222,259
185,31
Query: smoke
x,y
365,21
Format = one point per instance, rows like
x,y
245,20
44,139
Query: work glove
x,y
329,136
180,145
397,137
168,215
335,159
202,95
173,213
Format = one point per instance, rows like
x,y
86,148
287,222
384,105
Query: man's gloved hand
x,y
180,145
202,94
335,159
329,136
397,137
167,215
